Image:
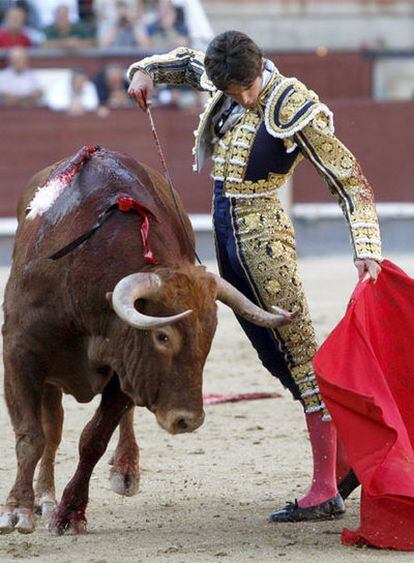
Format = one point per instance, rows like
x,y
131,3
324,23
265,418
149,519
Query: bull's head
x,y
167,376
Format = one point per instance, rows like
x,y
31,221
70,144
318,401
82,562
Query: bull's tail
x,y
62,176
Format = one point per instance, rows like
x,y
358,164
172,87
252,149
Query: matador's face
x,y
246,96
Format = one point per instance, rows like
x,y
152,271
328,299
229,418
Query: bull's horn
x,y
140,286
242,306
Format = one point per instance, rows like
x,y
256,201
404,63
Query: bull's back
x,y
90,193
112,251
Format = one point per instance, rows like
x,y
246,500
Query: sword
x,y
166,172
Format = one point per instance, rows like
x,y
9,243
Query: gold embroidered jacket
x,y
258,154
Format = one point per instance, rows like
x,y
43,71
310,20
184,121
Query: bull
x,y
102,320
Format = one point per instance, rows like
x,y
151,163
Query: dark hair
x,y
232,57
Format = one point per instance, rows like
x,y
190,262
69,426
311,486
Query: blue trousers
x,y
235,269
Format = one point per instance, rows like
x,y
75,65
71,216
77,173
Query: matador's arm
x,y
180,66
339,168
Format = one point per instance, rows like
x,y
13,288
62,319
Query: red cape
x,y
365,371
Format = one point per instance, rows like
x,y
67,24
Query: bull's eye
x,y
162,337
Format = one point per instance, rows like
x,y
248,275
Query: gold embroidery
x,y
247,187
188,68
289,144
231,154
346,181
275,79
290,107
266,237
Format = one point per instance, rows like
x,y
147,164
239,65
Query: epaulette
x,y
290,107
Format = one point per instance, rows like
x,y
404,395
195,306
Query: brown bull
x,y
101,320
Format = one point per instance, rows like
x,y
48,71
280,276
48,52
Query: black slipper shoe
x,y
348,484
328,510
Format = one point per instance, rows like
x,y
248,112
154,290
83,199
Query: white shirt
x,y
22,84
60,97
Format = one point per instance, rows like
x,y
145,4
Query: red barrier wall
x,y
33,139
335,75
380,134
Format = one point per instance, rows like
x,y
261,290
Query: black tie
x,y
223,118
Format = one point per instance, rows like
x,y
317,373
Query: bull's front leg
x,y
124,475
52,422
23,392
70,513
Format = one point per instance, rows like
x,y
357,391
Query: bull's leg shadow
x,y
70,513
52,422
23,392
124,474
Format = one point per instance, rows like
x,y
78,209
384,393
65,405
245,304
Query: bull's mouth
x,y
136,398
179,421
139,399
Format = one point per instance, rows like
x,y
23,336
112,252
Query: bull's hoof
x,y
20,519
65,519
45,505
8,522
124,483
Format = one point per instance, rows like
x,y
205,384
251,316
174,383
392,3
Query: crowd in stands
x,y
73,26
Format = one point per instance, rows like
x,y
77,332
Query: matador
x,y
257,126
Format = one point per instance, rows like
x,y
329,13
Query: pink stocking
x,y
323,441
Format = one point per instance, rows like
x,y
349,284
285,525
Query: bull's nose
x,y
178,422
182,424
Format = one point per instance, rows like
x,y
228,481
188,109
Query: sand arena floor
x,y
205,496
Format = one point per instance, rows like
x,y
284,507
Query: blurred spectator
x,y
169,96
46,10
12,32
18,83
126,29
67,35
86,9
6,5
199,29
77,98
169,29
32,21
112,87
166,28
32,16
106,14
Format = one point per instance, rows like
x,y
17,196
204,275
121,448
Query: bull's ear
x,y
108,297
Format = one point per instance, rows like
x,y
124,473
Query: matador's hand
x,y
372,267
141,89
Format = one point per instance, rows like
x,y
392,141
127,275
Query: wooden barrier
x,y
380,135
332,75
33,139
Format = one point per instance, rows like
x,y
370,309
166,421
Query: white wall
x,y
393,78
302,25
